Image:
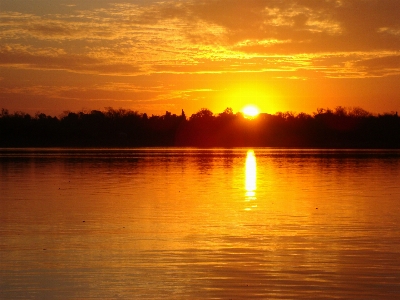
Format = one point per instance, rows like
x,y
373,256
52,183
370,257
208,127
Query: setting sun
x,y
250,111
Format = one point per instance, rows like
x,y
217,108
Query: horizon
x,y
251,115
156,56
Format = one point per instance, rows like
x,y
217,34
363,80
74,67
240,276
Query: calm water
x,y
199,224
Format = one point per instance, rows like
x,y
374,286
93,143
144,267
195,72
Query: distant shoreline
x,y
325,129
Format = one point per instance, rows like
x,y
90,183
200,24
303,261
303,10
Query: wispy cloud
x,y
194,35
293,39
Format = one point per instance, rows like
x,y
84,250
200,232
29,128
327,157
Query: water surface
x,y
199,224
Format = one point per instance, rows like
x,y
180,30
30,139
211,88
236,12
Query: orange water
x,y
199,224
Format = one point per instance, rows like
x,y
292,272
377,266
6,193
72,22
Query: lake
x,y
199,224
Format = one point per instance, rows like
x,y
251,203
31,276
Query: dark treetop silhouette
x,y
326,128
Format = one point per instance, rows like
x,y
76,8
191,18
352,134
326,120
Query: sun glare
x,y
251,173
250,111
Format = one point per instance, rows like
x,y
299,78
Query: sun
x,y
250,111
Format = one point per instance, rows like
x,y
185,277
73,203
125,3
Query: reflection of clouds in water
x,y
251,178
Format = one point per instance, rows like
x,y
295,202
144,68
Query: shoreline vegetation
x,y
326,128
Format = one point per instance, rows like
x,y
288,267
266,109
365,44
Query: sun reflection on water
x,y
251,178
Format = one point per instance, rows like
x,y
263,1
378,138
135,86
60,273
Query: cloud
x,y
381,66
172,40
23,57
118,92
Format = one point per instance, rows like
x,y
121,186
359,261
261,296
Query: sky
x,y
156,56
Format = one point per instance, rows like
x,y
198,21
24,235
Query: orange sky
x,y
152,56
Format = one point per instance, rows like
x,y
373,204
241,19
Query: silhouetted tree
x,y
341,127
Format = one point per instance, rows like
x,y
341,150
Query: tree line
x,y
326,128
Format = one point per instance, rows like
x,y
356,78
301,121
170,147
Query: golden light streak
x,y
251,178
